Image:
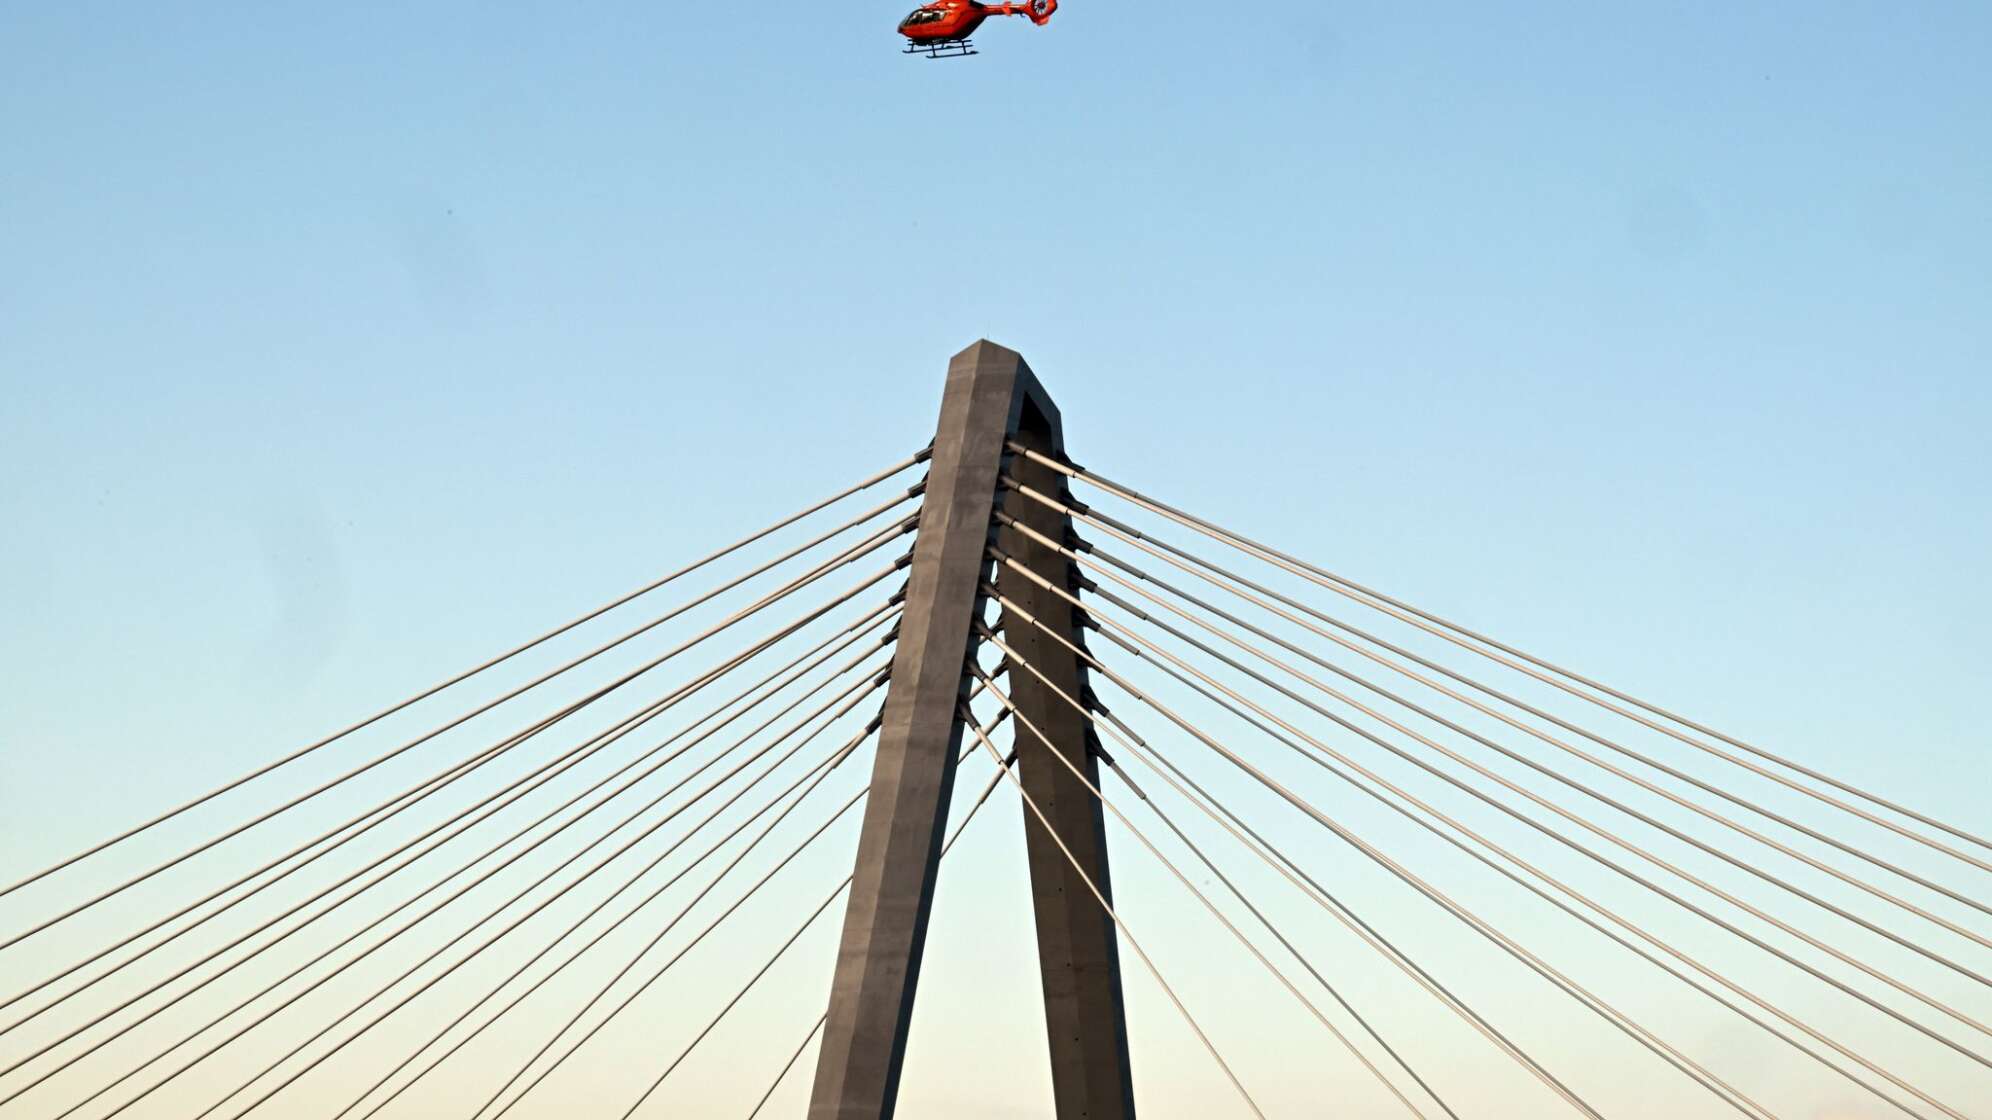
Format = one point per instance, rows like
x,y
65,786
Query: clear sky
x,y
343,344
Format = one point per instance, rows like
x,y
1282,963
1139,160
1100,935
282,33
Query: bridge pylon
x,y
991,399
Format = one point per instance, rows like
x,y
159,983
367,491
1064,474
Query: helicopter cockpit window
x,y
922,15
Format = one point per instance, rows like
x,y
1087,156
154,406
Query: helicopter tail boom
x,y
1039,11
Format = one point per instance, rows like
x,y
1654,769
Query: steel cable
x,y
904,526
994,780
474,670
820,771
807,618
1137,651
814,776
1580,821
1487,1029
797,1056
849,701
654,895
1292,950
854,694
1457,634
1257,594
485,810
1126,734
1722,1090
1098,795
631,998
843,753
1490,744
557,765
1153,972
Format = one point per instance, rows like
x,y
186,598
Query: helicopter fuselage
x,y
947,21
944,21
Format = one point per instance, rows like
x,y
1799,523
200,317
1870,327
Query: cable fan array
x,y
485,887
1446,855
1672,836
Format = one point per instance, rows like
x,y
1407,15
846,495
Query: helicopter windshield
x,y
922,15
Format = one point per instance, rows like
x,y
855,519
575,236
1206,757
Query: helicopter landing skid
x,y
954,48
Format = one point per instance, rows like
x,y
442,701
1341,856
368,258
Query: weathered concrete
x,y
1078,956
885,923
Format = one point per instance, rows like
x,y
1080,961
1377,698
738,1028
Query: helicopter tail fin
x,y
1040,11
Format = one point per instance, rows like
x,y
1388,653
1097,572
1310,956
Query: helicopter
x,y
941,29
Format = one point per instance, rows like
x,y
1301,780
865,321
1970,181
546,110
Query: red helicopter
x,y
941,29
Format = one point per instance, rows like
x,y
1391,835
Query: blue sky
x,y
341,345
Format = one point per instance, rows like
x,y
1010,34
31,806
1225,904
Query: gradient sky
x,y
342,345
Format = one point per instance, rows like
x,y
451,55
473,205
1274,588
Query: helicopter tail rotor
x,y
1040,11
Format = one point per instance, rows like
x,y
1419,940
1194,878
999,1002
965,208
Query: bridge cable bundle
x,y
74,1029
472,918
1213,651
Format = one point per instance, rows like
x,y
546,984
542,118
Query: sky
x,y
342,346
